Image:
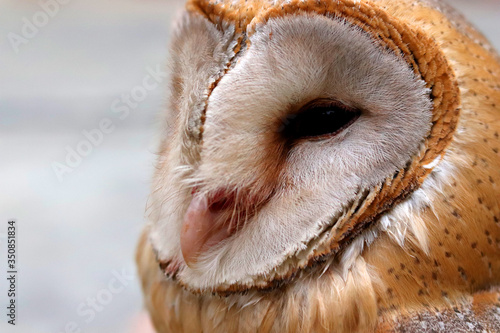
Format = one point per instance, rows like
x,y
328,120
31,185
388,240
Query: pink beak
x,y
200,231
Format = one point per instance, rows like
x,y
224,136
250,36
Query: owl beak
x,y
212,218
200,230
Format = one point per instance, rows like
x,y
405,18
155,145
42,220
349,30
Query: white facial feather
x,y
198,60
289,63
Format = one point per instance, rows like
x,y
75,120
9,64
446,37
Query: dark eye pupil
x,y
319,121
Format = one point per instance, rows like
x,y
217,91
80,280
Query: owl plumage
x,y
329,166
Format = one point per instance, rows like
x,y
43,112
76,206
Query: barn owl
x,y
328,166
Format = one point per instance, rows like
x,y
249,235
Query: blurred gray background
x,y
75,234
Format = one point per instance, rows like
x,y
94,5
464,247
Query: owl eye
x,y
320,120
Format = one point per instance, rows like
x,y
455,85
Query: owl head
x,y
294,128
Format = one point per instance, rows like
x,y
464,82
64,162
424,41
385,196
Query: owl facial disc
x,y
242,205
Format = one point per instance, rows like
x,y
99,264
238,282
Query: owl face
x,y
279,138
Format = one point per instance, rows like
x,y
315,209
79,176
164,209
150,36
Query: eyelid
x,y
325,103
319,107
331,135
